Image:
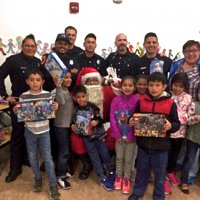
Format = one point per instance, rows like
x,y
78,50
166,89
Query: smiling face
x,y
29,47
67,80
128,87
156,88
81,99
61,46
121,43
177,88
71,33
151,45
141,85
191,54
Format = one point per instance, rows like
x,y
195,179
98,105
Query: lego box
x,y
35,110
55,66
149,125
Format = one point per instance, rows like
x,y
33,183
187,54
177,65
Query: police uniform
x,y
16,67
74,52
125,64
95,61
148,65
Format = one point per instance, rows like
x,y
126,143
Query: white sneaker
x,y
63,183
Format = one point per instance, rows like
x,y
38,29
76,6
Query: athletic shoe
x,y
167,188
63,183
126,186
118,183
173,179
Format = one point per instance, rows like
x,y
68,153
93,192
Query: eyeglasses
x,y
30,46
191,51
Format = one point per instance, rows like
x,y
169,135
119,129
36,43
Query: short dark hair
x,y
141,76
128,77
150,34
90,35
190,43
157,76
35,71
30,36
181,78
71,27
79,89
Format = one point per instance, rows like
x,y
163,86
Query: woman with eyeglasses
x,y
16,67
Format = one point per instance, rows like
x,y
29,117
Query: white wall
x,y
174,21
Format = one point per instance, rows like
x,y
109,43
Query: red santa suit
x,y
104,101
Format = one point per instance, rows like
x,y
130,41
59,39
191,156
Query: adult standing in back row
x,y
122,60
16,67
152,61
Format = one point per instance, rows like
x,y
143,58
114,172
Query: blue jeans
x,y
147,160
98,150
42,141
192,149
62,137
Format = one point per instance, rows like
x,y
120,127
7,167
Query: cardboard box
x,y
149,125
55,66
35,110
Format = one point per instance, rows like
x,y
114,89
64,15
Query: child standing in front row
x,y
179,87
141,84
37,136
122,108
89,125
153,151
193,141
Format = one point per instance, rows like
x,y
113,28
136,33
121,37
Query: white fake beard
x,y
95,95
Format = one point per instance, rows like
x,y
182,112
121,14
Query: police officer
x,y
89,58
74,50
61,48
16,67
122,60
152,61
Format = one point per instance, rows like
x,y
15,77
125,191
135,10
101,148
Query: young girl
x,y
179,87
193,141
62,124
141,84
123,107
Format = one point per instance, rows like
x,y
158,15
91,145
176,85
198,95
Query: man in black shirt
x,y
152,61
122,60
73,51
89,58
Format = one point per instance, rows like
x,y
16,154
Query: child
x,y
122,108
193,141
37,135
89,124
62,124
153,151
141,84
179,86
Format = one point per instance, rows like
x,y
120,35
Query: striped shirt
x,y
36,127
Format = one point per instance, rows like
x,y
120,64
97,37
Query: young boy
x,y
37,135
153,151
89,124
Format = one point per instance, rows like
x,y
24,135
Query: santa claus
x,y
102,97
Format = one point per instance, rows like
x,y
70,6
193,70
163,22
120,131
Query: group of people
x,y
95,103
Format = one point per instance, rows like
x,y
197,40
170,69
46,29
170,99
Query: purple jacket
x,y
122,107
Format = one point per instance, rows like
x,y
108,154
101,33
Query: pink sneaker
x,y
118,183
173,179
126,186
167,188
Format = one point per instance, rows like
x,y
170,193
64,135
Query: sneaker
x,y
173,179
126,186
53,192
190,180
63,183
118,183
107,184
111,177
38,185
167,188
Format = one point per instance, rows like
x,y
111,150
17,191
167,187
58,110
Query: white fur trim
x,y
90,75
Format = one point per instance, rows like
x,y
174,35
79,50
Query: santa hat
x,y
87,72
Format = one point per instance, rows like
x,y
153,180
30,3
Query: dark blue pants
x,y
148,160
192,149
97,151
62,137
